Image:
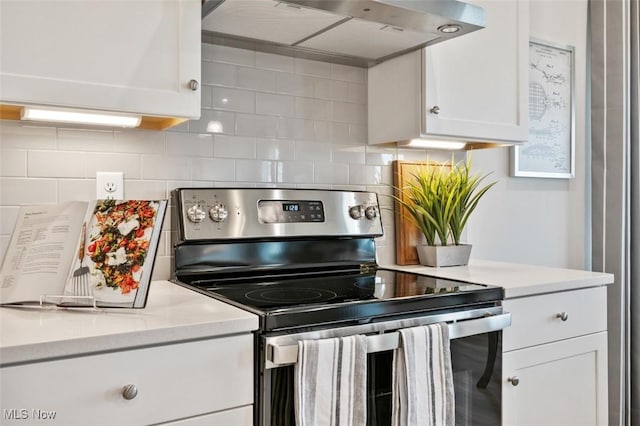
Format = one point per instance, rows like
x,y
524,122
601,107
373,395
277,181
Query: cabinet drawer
x,y
538,319
173,382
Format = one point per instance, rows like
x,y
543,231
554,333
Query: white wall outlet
x,y
109,185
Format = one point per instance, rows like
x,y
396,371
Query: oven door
x,y
476,358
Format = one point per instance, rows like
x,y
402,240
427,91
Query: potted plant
x,y
440,200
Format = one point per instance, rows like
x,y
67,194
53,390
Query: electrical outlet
x,y
109,185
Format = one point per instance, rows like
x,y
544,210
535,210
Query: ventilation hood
x,y
357,32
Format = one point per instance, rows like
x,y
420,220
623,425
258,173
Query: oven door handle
x,y
281,355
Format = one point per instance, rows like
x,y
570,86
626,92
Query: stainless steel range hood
x,y
358,32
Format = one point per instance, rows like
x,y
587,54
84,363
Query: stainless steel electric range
x,y
305,262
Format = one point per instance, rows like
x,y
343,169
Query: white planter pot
x,y
444,255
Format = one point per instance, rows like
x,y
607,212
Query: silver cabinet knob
x,y
194,85
514,380
435,110
356,212
563,316
129,392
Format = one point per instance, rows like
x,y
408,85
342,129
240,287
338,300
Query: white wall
x,y
281,122
536,220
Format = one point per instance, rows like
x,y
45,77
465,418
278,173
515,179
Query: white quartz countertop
x,y
173,314
518,280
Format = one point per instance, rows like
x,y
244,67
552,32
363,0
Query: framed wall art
x,y
550,150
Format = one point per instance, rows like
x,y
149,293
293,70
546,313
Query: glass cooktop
x,y
301,300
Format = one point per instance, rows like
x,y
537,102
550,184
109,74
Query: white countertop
x,y
172,314
518,280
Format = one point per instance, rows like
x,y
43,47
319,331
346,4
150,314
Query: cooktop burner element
x,y
284,296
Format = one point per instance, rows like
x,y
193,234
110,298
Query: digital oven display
x,y
289,211
290,207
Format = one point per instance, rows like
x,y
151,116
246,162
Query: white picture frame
x,y
550,149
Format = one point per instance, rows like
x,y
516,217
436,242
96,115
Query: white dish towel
x,y
422,378
331,382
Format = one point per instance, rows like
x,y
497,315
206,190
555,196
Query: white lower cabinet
x,y
555,360
202,382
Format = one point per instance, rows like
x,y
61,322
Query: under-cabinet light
x,y
77,116
434,144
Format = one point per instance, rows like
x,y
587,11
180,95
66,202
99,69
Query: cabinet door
x,y
479,82
557,384
129,56
172,382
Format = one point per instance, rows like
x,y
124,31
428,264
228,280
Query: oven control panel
x,y
224,213
290,211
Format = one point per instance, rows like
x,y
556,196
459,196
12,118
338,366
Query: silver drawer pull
x,y
515,381
129,392
563,316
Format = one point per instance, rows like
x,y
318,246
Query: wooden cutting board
x,y
407,233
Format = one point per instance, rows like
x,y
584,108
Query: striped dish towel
x,y
422,378
331,381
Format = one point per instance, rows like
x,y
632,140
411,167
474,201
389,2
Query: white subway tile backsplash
x,y
56,164
308,67
146,189
138,141
313,151
295,128
79,189
13,162
349,154
219,74
346,112
256,79
190,144
313,109
70,139
274,149
14,134
234,147
206,98
348,73
162,167
357,93
214,122
270,104
129,164
213,169
360,174
233,99
294,84
19,191
229,55
331,89
379,156
261,126
335,174
295,172
256,171
270,61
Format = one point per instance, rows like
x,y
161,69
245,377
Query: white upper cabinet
x,y
473,88
124,56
